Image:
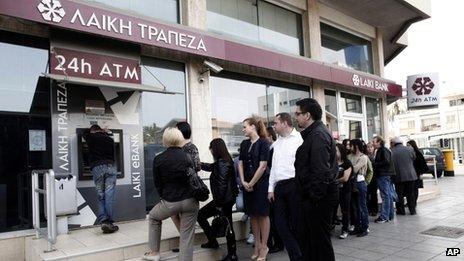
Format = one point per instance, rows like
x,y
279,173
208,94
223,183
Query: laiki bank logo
x,y
51,10
356,80
423,86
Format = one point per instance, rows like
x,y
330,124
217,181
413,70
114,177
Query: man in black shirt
x,y
101,160
315,172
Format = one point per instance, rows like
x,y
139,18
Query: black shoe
x,y
212,245
363,234
413,212
354,232
230,258
275,249
380,220
401,213
175,250
109,228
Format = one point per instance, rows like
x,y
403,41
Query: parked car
x,y
439,157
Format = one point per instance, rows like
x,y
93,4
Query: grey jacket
x,y
403,163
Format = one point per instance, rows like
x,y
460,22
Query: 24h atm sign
x,y
423,90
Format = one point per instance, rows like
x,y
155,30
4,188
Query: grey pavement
x,y
401,239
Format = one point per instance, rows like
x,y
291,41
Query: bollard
x,y
449,163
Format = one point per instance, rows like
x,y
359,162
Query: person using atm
x,y
101,161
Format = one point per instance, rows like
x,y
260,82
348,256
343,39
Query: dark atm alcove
x,y
83,154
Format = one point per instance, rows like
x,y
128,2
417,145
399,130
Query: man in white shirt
x,y
282,190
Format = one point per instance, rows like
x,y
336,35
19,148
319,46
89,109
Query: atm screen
x,y
83,154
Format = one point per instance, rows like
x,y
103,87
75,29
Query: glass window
x,y
331,113
256,22
21,67
345,49
355,129
230,106
351,103
160,111
430,124
166,10
280,99
374,118
235,100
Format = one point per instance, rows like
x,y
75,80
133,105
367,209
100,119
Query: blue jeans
x,y
104,177
363,212
385,188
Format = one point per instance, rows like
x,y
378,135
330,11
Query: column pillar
x,y
198,93
377,53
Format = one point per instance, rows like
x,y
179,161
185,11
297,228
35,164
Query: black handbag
x,y
199,188
220,226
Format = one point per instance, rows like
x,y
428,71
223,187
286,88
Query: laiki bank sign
x,y
423,90
82,17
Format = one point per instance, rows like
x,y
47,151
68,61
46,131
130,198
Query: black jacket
x,y
382,163
420,165
222,181
170,175
101,148
315,163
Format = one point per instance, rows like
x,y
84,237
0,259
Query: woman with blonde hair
x,y
254,176
172,183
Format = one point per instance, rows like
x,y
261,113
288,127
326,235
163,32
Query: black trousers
x,y
406,189
345,205
210,210
315,224
372,200
274,240
286,214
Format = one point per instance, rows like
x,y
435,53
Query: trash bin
x,y
449,162
65,196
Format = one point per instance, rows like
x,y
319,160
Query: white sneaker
x,y
351,228
343,235
250,239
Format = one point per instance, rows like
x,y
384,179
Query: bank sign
x,y
94,66
80,17
423,90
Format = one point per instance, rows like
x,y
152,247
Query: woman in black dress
x,y
254,175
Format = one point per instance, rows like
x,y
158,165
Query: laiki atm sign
x,y
423,90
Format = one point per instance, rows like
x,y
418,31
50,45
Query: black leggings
x,y
210,210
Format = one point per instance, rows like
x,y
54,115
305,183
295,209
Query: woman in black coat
x,y
420,166
224,189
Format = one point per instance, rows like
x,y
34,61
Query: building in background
x,y
136,66
438,127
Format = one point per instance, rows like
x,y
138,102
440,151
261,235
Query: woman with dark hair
x,y
224,189
346,144
254,175
360,165
345,168
420,165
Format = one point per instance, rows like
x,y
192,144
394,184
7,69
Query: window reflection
x,y
256,22
235,100
374,119
21,67
345,49
166,10
351,103
160,111
331,113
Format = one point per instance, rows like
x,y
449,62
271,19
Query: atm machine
x,y
83,154
113,109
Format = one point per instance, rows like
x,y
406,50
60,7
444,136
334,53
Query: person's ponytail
x,y
262,131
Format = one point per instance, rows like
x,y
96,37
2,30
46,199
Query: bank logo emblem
x,y
51,10
423,86
356,80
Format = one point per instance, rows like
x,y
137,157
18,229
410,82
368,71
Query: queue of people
x,y
292,185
